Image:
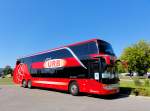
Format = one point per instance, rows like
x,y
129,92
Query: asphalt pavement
x,y
16,98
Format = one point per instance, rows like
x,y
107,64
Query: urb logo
x,y
54,63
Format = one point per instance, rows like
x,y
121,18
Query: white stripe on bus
x,y
75,57
50,82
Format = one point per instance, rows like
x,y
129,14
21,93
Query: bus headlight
x,y
112,76
106,75
111,86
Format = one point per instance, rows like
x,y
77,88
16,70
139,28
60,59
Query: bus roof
x,y
74,44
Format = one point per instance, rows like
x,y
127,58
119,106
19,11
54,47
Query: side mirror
x,y
106,58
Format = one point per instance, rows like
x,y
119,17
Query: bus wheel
x,y
24,83
74,88
29,84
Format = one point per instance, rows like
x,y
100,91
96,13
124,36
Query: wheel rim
x,y
29,84
74,89
24,83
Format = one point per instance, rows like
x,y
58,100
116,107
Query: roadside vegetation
x,y
6,76
7,71
135,86
6,81
137,78
137,57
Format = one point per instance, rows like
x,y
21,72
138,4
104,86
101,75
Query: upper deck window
x,y
105,48
85,49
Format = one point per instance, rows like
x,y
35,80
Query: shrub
x,y
144,92
141,92
146,83
136,91
137,82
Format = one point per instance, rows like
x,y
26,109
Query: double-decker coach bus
x,y
87,66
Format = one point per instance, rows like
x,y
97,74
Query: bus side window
x,y
85,49
92,48
18,62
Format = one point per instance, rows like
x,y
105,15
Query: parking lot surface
x,y
16,98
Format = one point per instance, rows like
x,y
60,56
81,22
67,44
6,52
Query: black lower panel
x,y
72,72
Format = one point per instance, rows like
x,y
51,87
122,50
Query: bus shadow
x,y
109,97
126,90
124,93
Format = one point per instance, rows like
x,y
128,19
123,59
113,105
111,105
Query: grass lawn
x,y
128,87
124,83
6,81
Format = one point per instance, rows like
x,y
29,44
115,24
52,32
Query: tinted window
x,y
63,53
85,49
18,62
27,60
38,58
105,48
80,49
21,60
92,48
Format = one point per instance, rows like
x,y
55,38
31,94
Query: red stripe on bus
x,y
37,65
70,62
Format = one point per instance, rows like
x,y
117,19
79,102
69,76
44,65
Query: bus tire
x,y
29,84
74,89
24,83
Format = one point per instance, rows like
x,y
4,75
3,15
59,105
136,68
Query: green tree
x,y
120,68
7,70
149,70
137,57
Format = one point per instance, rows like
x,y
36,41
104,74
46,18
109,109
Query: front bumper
x,y
107,89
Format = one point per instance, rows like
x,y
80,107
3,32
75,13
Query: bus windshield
x,y
105,48
109,75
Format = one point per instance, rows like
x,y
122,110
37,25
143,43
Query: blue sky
x,y
29,26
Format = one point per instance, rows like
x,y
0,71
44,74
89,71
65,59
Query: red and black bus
x,y
87,66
